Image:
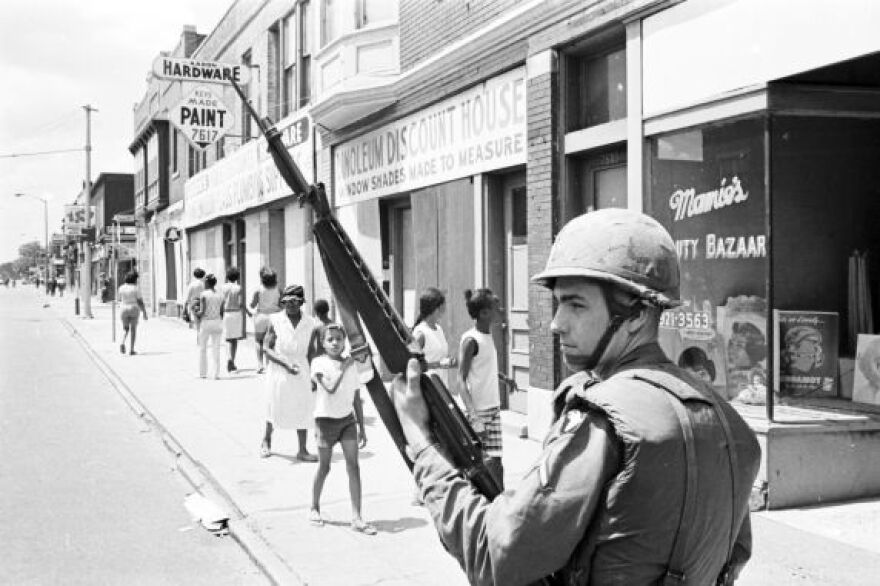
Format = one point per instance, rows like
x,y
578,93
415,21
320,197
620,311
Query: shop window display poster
x,y
866,378
805,359
742,322
698,348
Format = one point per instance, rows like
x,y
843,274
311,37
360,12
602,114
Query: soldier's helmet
x,y
625,248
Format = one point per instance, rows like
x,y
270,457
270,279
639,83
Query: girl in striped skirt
x,y
478,369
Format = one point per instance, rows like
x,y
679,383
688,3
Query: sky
x,y
56,56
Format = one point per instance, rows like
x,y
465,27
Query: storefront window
x,y
707,188
342,16
297,86
597,89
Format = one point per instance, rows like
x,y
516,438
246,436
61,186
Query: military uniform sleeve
x,y
742,547
530,532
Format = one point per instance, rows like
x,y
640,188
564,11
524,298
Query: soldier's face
x,y
580,320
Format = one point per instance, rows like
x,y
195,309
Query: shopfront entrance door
x,y
403,274
507,275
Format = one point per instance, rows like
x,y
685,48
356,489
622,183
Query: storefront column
x,y
543,177
635,139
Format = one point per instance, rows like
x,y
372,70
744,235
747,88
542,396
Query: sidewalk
x,y
216,427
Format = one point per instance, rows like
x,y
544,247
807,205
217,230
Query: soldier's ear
x,y
641,316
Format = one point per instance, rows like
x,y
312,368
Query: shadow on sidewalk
x,y
383,525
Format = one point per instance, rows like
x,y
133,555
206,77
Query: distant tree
x,y
31,254
8,270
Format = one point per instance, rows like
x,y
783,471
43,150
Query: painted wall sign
x,y
202,117
707,189
687,203
481,129
246,177
75,215
177,69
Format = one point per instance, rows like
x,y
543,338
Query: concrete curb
x,y
201,480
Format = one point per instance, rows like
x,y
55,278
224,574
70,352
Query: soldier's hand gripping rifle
x,y
360,297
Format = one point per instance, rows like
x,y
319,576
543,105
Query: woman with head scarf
x,y
288,379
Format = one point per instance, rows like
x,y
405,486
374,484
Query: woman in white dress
x,y
291,402
233,314
429,335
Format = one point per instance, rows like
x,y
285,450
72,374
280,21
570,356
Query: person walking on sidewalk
x,y
429,335
210,316
131,305
646,473
478,371
321,311
339,418
193,292
265,302
61,283
291,402
233,314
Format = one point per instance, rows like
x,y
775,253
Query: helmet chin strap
x,y
590,362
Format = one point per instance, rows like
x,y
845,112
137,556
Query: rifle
x,y
361,299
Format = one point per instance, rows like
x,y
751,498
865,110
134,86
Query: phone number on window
x,y
685,319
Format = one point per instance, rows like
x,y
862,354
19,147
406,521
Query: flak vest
x,y
630,539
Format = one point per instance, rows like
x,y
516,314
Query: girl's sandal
x,y
361,527
315,518
265,450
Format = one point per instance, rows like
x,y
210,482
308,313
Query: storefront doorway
x,y
507,275
276,254
401,260
234,249
170,270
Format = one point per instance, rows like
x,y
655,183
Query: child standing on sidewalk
x,y
338,418
478,369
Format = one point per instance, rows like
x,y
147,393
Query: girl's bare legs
x,y
303,454
233,348
324,455
350,451
133,334
266,446
259,346
124,335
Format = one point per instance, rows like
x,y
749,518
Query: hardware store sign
x,y
176,69
479,130
202,117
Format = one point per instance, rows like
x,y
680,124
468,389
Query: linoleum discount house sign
x,y
481,129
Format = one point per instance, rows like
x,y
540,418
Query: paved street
x,y
87,492
213,427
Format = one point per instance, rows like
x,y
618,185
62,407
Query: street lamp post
x,y
45,226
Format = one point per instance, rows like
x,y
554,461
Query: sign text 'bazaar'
x,y
173,68
478,130
202,117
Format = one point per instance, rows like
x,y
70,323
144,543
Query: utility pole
x,y
85,289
